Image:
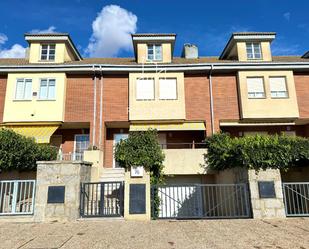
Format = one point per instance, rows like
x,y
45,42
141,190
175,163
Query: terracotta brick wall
x,y
109,146
3,80
197,98
225,99
302,92
79,99
116,98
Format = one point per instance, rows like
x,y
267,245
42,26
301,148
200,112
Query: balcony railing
x,y
183,145
72,156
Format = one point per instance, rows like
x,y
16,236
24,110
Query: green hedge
x,y
256,152
21,153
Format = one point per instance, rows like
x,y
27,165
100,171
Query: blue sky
x,y
207,24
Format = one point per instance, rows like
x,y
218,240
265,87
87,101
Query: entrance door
x,y
117,138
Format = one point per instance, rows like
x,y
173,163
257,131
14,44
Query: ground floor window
x,y
81,143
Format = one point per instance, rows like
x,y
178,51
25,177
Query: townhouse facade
x,y
84,106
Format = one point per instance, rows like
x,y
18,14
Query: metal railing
x,y
296,198
202,201
183,146
17,197
102,199
73,156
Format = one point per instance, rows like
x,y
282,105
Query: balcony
x,y
184,158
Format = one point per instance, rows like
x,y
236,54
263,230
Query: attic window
x,y
254,51
154,52
48,52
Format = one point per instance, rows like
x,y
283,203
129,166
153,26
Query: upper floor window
x,y
47,89
255,86
278,87
154,52
48,52
254,51
23,89
168,88
145,89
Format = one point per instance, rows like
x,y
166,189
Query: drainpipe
x,y
211,102
94,105
101,108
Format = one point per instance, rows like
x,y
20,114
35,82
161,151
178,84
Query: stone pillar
x,y
270,207
136,194
96,158
58,189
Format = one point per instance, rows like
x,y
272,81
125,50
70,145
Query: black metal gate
x,y
102,199
296,198
201,201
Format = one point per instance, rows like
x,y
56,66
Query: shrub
x,y
256,152
141,149
21,153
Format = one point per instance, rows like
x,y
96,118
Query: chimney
x,y
190,51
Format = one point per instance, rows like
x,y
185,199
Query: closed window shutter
x,y
19,94
168,89
255,87
145,89
278,86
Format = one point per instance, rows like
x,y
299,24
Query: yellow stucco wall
x,y
242,53
157,109
267,107
137,180
62,53
142,53
34,110
184,161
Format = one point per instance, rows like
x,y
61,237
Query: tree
x,y
142,149
21,153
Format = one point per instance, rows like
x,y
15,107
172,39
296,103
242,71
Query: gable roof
x,y
65,37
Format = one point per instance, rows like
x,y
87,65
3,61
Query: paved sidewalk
x,y
257,234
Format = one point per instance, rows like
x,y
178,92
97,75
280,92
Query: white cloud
x,y
111,32
287,16
3,38
50,29
16,51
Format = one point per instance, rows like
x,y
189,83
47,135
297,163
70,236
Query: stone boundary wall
x,y
60,173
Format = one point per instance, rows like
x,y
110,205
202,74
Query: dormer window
x,y
254,51
48,52
154,52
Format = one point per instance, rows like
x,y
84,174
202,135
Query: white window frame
x,y
24,89
74,151
48,52
154,45
176,93
253,95
251,44
275,96
154,88
47,98
126,135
